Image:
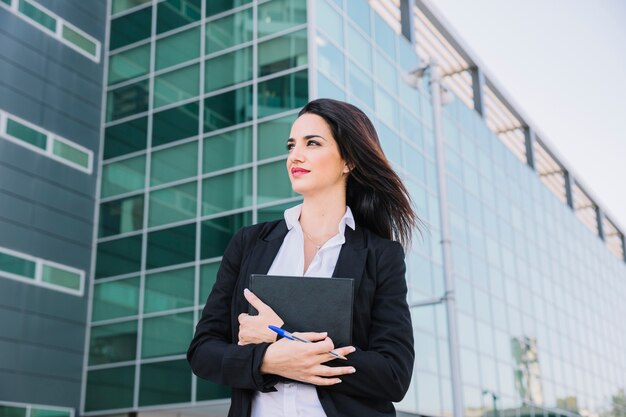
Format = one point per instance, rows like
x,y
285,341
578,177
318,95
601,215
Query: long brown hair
x,y
377,197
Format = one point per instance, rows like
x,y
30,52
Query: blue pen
x,y
290,336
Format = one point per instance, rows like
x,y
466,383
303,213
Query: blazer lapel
x,y
265,250
352,257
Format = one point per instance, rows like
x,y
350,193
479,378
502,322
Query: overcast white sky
x,y
564,63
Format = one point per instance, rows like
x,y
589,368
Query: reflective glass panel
x,y
115,299
113,343
273,183
330,60
359,48
283,53
177,48
174,163
26,133
360,84
174,124
125,137
70,153
171,246
17,266
38,15
208,274
165,382
166,335
127,100
60,277
123,176
283,93
79,40
228,69
218,6
268,214
130,28
386,108
279,15
121,216
227,149
172,204
328,89
359,12
272,137
390,143
110,388
169,290
121,5
385,36
216,233
9,411
386,73
333,23
228,109
119,256
43,412
176,85
227,192
172,14
129,64
228,31
207,390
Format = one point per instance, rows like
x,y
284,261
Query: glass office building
x,y
197,101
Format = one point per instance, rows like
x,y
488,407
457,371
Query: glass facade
x,y
199,98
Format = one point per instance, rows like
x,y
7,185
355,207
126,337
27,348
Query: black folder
x,y
309,304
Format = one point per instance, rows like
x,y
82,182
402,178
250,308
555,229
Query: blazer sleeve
x,y
383,370
212,353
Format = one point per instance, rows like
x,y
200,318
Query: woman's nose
x,y
296,153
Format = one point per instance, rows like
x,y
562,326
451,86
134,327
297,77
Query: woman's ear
x,y
346,168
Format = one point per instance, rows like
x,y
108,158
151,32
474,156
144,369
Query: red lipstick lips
x,y
296,172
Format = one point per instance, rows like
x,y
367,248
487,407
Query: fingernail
x,y
353,370
324,334
246,291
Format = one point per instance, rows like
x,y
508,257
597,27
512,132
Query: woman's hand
x,y
303,361
253,329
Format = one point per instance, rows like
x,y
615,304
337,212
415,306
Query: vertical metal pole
x,y
478,88
406,20
529,140
569,189
600,224
451,315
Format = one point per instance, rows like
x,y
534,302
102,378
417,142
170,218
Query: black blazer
x,y
382,331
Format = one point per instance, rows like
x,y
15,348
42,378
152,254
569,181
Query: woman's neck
x,y
320,217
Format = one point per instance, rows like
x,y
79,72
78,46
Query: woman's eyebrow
x,y
309,137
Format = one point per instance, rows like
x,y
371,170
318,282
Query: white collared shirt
x,y
294,398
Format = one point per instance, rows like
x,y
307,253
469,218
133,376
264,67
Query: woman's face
x,y
314,163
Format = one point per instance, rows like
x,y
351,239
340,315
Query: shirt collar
x,y
292,216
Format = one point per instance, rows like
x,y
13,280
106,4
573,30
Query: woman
x,y
353,205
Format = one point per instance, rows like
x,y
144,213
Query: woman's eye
x,y
289,146
313,143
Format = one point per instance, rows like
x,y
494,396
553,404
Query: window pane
x,y
284,93
227,192
169,290
172,14
228,109
121,216
17,266
333,23
359,48
360,84
175,124
9,411
42,412
227,150
79,40
208,274
121,5
60,277
272,137
274,183
129,64
113,343
279,15
175,163
359,12
171,246
216,233
330,60
386,108
207,390
125,138
127,100
219,6
38,15
283,53
228,31
178,48
70,153
176,85
115,299
119,256
386,73
167,335
272,213
172,204
27,134
407,58
123,176
385,36
165,383
130,28
390,143
229,69
110,388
